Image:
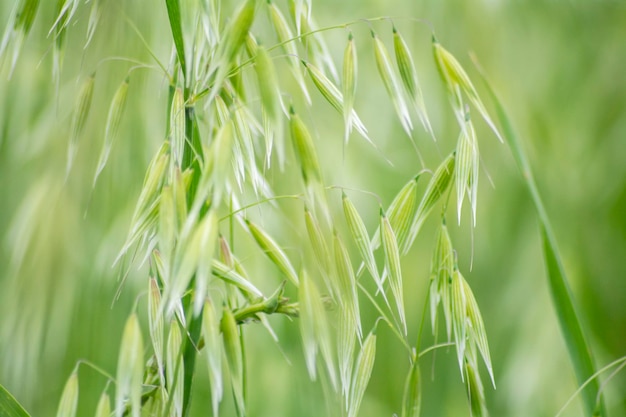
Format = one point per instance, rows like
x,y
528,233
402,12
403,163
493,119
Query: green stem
x,y
563,300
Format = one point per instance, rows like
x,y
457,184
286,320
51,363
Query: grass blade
x,y
9,407
579,351
173,13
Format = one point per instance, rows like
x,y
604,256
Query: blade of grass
x,y
173,13
571,327
9,406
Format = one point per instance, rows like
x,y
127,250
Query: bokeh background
x,y
558,67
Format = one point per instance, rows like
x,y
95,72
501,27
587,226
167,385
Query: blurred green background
x,y
559,68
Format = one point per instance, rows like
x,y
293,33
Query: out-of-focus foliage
x,y
558,66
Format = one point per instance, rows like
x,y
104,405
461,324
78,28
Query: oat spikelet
x,y
362,373
83,104
234,358
69,397
385,69
349,83
455,78
114,118
130,369
408,75
213,349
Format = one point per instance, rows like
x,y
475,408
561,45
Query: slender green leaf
x,y
9,407
173,13
579,351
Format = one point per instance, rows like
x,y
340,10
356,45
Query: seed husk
x,y
454,76
104,406
273,252
436,188
350,71
408,75
83,104
174,368
286,38
234,358
392,265
130,369
155,320
466,172
385,70
213,349
114,118
332,94
346,283
69,397
362,373
361,238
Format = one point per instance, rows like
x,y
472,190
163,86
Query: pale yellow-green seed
x,y
104,406
346,283
477,331
286,38
408,75
349,84
208,242
83,104
345,350
155,320
69,397
385,70
320,250
114,118
232,349
361,238
332,94
306,297
475,391
442,268
466,171
362,374
453,75
174,368
232,276
305,149
213,349
459,315
273,252
392,266
436,188
94,18
130,369
177,128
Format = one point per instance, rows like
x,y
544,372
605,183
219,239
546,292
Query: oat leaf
x,y
9,406
174,16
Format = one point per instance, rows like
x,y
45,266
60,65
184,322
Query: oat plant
x,y
240,82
